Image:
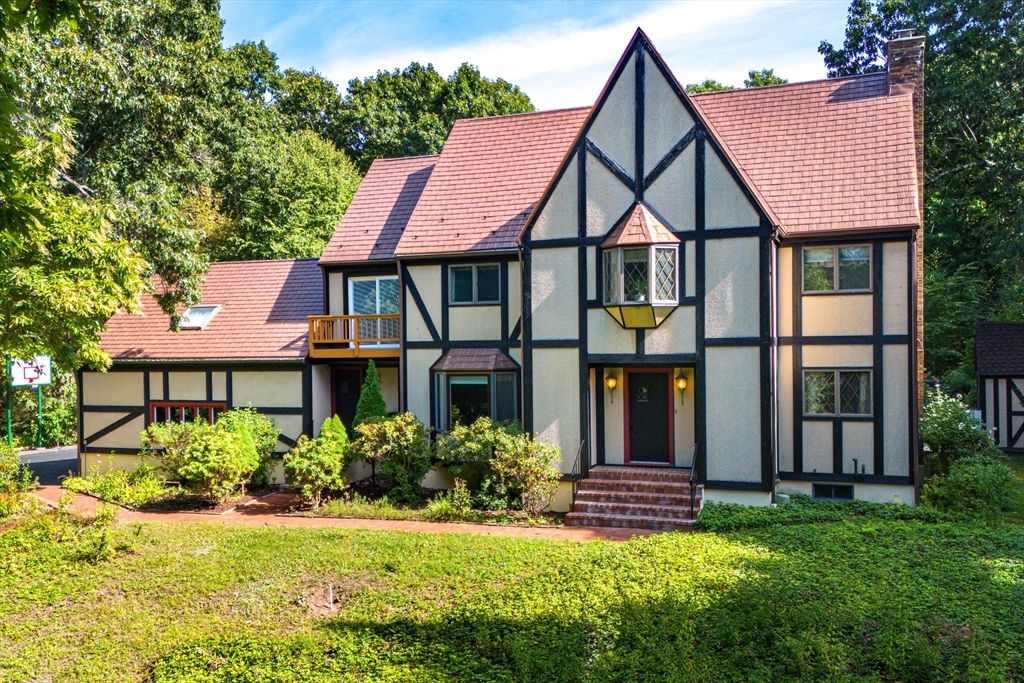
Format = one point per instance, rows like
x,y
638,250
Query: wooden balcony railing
x,y
353,336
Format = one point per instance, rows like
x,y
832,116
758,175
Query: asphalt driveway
x,y
49,464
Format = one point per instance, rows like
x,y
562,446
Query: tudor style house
x,y
999,363
709,297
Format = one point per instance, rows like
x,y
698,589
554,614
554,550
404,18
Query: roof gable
x,y
641,130
639,226
999,349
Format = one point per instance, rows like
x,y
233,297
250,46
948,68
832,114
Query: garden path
x,y
266,510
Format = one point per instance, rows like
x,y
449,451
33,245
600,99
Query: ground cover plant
x,y
863,600
16,481
139,487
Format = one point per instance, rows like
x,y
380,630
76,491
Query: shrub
x,y
450,506
399,444
952,433
978,484
371,401
132,487
264,435
217,462
468,452
168,441
317,465
527,468
15,481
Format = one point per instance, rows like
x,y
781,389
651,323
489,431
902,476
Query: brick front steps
x,y
635,498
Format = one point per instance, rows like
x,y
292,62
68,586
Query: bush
x,y
528,469
210,460
468,452
399,445
450,506
132,487
979,485
264,435
317,465
802,509
952,433
15,481
371,401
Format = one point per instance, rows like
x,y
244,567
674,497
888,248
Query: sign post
x,y
33,373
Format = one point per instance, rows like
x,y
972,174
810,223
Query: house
x,y
999,364
713,296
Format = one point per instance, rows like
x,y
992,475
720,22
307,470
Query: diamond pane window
x,y
819,393
665,275
634,274
855,393
611,276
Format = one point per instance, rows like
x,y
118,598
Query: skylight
x,y
197,317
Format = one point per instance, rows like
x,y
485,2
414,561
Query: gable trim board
x,y
762,230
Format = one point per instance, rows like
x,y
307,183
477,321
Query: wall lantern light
x,y
611,381
681,384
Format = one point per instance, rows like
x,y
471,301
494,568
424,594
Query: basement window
x,y
837,269
185,411
197,317
832,491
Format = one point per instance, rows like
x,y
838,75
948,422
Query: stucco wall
x,y
672,194
894,288
336,293
428,283
269,389
558,219
733,413
126,436
321,377
614,436
604,335
874,493
556,400
725,205
666,121
837,314
515,294
187,386
896,399
749,498
607,198
784,280
219,384
389,386
418,396
554,275
112,388
689,254
682,407
732,290
677,334
838,356
613,128
474,322
859,445
817,446
785,408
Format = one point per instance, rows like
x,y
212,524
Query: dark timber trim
x,y
667,160
625,359
798,360
503,294
527,318
735,485
410,285
307,401
768,459
444,303
599,410
638,123
877,351
846,478
837,447
135,413
700,413
610,164
581,308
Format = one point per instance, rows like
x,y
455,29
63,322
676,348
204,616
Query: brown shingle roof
x,y
491,360
835,154
639,226
489,176
380,210
263,314
999,349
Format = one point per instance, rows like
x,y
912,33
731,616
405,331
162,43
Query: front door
x,y
348,382
649,417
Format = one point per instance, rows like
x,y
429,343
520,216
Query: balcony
x,y
353,336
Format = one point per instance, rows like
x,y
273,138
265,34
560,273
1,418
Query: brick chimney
x,y
906,75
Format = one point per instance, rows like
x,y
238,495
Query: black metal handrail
x,y
576,475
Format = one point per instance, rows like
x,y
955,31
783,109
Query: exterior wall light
x,y
611,381
681,384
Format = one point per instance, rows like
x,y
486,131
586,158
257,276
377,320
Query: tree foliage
x,y
409,112
759,79
974,160
371,401
708,85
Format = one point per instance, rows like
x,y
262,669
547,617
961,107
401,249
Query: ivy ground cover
x,y
849,601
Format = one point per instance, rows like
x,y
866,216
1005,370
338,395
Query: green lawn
x,y
849,601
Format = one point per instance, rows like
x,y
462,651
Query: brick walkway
x,y
266,511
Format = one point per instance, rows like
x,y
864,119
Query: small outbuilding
x,y
999,364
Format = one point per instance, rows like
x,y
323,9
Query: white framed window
x,y
647,274
197,317
474,285
837,269
837,392
375,295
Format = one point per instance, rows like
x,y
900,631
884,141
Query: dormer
x,y
641,270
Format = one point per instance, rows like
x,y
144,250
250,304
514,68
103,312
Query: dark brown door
x,y
348,383
649,417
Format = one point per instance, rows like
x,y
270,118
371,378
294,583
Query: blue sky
x,y
560,53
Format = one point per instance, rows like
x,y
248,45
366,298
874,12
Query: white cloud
x,y
567,63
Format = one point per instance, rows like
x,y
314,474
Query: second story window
x,y
474,284
837,269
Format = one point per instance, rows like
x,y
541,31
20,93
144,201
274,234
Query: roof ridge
x,y
412,156
524,113
266,260
787,85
